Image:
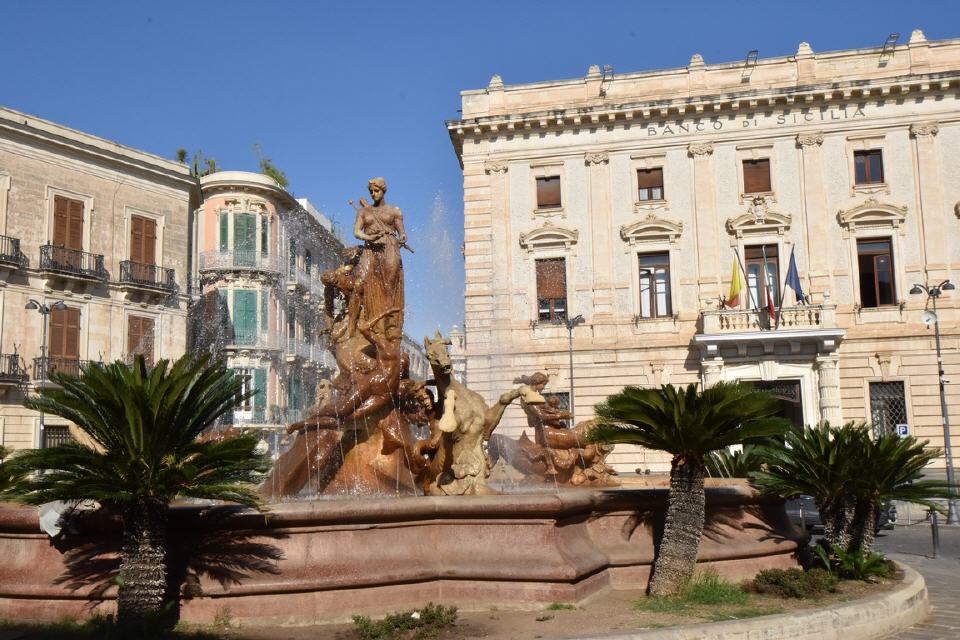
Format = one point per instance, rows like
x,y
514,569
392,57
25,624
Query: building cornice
x,y
222,182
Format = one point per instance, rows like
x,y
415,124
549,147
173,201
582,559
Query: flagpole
x,y
746,280
783,290
766,283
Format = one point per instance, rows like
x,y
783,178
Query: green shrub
x,y
794,583
710,588
412,625
561,606
854,565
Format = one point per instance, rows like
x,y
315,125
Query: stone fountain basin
x,y
325,560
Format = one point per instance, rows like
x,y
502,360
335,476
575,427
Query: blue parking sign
x,y
903,430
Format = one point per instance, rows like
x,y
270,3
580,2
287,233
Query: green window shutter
x,y
265,309
224,221
293,393
260,386
245,315
265,235
244,238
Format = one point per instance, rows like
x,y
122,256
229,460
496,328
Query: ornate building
x,y
630,199
94,238
258,257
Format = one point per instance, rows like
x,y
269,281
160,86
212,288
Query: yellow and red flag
x,y
737,285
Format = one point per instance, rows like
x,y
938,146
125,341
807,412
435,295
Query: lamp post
x,y
44,312
571,323
932,293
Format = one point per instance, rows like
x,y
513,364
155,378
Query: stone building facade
x,y
258,256
630,199
96,233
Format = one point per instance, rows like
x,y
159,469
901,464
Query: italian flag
x,y
736,286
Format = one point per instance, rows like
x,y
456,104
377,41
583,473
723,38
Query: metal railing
x,y
72,262
12,369
255,339
238,260
44,367
10,253
299,278
811,316
147,275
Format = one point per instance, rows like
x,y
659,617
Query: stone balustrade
x,y
811,316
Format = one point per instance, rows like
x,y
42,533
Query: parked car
x,y
803,513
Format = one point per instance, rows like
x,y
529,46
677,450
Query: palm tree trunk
x,y
143,569
863,527
677,555
836,516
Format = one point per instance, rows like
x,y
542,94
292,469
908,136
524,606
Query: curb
x,y
867,619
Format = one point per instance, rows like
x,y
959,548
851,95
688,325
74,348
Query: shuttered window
x,y
265,310
64,340
756,176
67,223
548,192
650,184
244,238
143,240
265,235
245,316
552,290
224,230
260,386
140,337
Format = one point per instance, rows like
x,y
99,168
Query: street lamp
x,y
44,311
571,323
932,293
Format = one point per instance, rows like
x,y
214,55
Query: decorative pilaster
x,y
817,222
712,372
600,220
828,385
502,245
704,206
934,219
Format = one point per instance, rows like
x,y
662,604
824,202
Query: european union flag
x,y
793,279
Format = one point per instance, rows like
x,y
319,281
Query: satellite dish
x,y
929,317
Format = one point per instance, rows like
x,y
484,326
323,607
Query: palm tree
x,y
144,424
891,468
688,424
819,462
734,463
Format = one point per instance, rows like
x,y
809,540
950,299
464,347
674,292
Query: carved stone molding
x,y
651,229
599,157
872,213
549,237
758,218
924,129
700,149
810,139
493,166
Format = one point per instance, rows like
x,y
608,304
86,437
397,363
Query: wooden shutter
x,y
649,178
756,176
260,388
136,238
245,313
134,334
61,220
244,232
64,333
75,231
552,278
149,251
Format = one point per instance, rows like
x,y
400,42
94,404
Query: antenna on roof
x,y
889,46
606,77
748,64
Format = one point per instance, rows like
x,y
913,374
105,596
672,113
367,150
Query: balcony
x,y
213,261
72,263
742,332
12,371
10,254
298,279
44,367
255,340
147,276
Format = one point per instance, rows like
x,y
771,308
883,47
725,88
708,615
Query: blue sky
x,y
338,93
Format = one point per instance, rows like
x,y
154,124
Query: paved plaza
x,y
912,545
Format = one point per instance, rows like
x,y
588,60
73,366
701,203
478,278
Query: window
x,y
245,316
244,238
552,290
143,240
868,166
875,260
293,257
140,337
264,235
756,176
64,344
307,262
650,184
67,223
54,435
265,309
888,407
655,285
763,274
224,226
245,408
548,192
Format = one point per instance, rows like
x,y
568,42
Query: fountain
x,y
397,520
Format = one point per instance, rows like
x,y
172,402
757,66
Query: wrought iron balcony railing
x,y
12,370
72,262
255,339
811,316
44,367
10,254
238,261
298,278
147,276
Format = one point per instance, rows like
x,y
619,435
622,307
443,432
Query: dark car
x,y
803,513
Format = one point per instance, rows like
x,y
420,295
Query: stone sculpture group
x,y
361,436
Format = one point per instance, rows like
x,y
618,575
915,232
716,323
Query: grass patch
x,y
742,613
421,624
561,606
794,583
705,589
